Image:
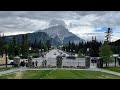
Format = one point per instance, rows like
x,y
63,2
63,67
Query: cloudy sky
x,y
84,24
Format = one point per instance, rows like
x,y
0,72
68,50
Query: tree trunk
x,y
106,64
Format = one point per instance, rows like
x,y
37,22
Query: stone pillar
x,y
87,61
118,60
59,61
17,61
30,61
98,63
115,61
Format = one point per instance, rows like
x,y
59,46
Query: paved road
x,y
51,59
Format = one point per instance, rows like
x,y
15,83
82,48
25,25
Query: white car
x,y
10,61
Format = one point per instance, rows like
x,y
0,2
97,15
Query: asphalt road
x,y
51,59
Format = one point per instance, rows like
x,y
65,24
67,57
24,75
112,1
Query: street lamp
x,y
73,51
43,50
29,50
39,51
88,51
70,52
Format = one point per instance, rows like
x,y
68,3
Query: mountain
x,y
39,36
56,34
61,34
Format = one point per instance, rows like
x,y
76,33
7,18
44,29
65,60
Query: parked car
x,y
60,53
63,55
71,57
95,58
54,53
10,62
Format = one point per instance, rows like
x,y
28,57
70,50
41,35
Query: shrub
x,y
81,67
11,57
24,57
35,56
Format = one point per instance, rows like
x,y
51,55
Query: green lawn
x,y
4,68
116,69
59,74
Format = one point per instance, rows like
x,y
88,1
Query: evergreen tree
x,y
48,44
105,54
108,35
24,46
39,45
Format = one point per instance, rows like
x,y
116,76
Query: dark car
x,y
95,58
54,53
63,55
59,57
71,57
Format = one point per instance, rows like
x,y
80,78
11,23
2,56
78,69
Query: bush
x,y
11,57
35,56
24,57
81,67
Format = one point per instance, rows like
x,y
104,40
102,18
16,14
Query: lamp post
x,y
88,51
29,50
73,51
39,51
43,50
65,50
70,52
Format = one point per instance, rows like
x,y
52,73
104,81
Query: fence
x,y
51,62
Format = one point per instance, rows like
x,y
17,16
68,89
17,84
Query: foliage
x,y
11,57
80,53
35,56
82,46
24,57
106,53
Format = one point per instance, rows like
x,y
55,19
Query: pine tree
x,y
48,44
24,46
108,35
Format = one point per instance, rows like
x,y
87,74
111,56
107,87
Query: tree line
x,y
81,48
22,47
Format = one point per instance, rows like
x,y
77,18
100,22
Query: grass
x,y
116,69
4,68
59,74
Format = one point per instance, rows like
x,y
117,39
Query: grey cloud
x,y
46,15
9,19
110,19
57,22
78,25
98,13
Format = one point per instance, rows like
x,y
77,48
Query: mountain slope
x,y
39,36
62,34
